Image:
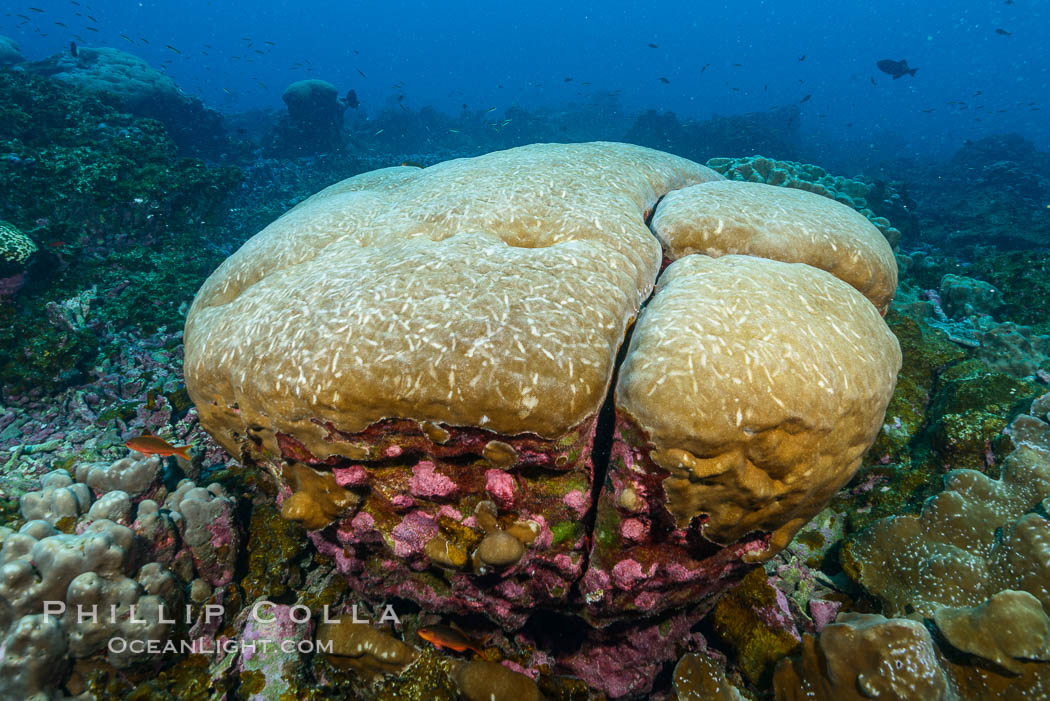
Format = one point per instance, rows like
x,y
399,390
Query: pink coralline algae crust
x,y
274,623
539,579
823,612
412,534
623,661
577,501
640,582
352,476
640,563
218,571
500,486
273,654
425,491
778,616
427,483
626,573
633,530
402,502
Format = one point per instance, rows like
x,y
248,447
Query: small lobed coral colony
x,y
111,554
593,379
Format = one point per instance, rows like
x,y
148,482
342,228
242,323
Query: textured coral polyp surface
x,y
783,224
491,292
760,385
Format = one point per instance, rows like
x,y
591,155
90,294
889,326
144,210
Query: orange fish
x,y
151,445
447,637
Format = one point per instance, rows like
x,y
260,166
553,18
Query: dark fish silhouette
x,y
73,48
802,58
351,100
805,99
895,68
665,81
1002,32
654,46
705,67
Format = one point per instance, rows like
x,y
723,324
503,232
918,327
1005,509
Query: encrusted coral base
x,y
457,520
426,508
640,562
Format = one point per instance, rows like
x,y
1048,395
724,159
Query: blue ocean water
x,y
982,63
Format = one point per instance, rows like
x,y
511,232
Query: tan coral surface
x,y
760,384
976,538
781,223
490,292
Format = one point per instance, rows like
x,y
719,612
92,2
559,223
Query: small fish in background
x,y
654,46
73,49
152,445
448,638
412,164
665,81
351,100
1002,32
873,80
361,72
705,67
568,80
802,58
169,47
895,68
805,99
